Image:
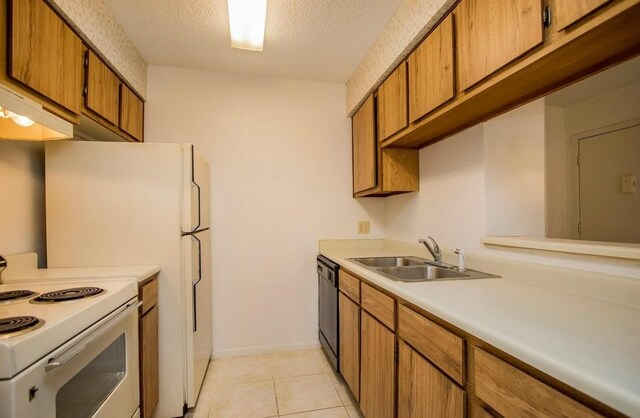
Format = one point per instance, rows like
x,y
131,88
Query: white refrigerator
x,y
113,204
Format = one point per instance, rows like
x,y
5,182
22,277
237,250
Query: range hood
x,y
23,119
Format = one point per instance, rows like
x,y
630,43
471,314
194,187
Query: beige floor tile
x,y
345,393
239,370
306,393
354,411
296,363
244,400
322,413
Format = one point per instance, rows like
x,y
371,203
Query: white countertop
x,y
580,327
23,267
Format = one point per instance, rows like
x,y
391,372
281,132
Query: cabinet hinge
x,y
578,159
396,354
546,17
85,91
579,228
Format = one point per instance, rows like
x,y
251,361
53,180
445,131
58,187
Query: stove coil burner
x,y
15,294
66,295
16,325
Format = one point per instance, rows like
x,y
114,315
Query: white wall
x,y
22,202
280,157
514,172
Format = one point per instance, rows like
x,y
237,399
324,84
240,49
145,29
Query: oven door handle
x,y
81,345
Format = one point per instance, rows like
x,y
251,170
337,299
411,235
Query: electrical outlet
x,y
629,184
363,227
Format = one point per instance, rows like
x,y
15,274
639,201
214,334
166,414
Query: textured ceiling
x,y
305,39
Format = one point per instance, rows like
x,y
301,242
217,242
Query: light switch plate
x,y
363,227
629,184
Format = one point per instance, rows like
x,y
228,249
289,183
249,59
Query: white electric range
x,y
69,349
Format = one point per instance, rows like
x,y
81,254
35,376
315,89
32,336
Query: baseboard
x,y
250,351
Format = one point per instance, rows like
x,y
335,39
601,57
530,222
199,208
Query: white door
x,y
607,213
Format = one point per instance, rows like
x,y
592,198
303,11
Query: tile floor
x,y
296,384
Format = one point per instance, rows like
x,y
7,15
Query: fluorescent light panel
x,y
246,23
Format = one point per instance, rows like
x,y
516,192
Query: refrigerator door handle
x,y
194,284
193,181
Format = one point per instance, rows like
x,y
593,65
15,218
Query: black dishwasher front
x,y
328,309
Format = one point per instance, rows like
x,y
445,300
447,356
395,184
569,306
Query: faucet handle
x,y
436,248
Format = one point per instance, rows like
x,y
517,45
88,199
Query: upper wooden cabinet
x,y
45,54
392,103
431,74
423,391
131,112
492,33
566,12
102,89
364,147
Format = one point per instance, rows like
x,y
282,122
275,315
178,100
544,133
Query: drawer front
x,y
443,348
350,286
149,295
381,306
514,393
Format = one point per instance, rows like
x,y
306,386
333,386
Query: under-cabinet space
x,y
492,33
423,391
431,72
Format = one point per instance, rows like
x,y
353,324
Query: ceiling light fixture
x,y
246,23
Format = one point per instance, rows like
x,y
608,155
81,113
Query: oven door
x,y
93,375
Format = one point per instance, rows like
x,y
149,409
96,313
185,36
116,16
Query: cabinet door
x,y
364,147
423,391
431,81
350,344
566,12
392,103
148,329
46,55
378,368
103,89
492,33
131,112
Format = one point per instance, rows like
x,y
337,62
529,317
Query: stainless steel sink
x,y
416,269
390,261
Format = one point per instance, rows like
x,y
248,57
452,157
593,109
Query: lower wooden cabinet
x,y
423,391
350,343
378,369
148,330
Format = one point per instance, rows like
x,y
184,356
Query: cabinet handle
x,y
546,17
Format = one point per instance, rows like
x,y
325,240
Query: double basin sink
x,y
416,269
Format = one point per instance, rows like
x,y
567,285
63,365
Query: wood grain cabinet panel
x,y
349,318
513,393
364,147
392,103
423,391
349,285
430,68
566,12
381,306
102,89
148,347
131,113
45,54
440,346
378,369
492,33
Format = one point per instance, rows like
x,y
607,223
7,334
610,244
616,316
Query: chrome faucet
x,y
3,265
433,248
